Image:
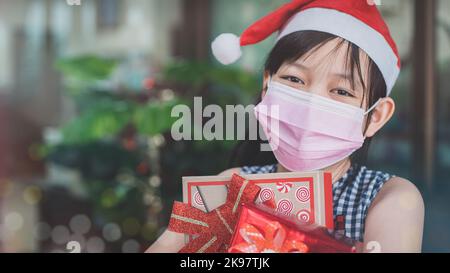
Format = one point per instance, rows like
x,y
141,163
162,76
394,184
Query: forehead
x,y
335,57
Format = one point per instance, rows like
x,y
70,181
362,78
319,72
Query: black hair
x,y
289,49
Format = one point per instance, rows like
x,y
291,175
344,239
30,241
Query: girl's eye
x,y
293,79
342,92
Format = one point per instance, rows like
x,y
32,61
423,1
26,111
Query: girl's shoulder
x,y
398,209
399,192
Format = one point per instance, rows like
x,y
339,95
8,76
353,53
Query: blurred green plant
x,y
82,73
109,141
217,84
105,113
86,68
106,140
108,117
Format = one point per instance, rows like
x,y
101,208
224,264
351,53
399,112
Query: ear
x,y
380,116
265,83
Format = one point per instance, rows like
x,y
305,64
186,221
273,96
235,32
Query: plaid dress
x,y
352,195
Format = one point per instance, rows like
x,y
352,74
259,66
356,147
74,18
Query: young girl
x,y
330,74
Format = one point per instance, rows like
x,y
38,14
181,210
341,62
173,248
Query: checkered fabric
x,y
352,196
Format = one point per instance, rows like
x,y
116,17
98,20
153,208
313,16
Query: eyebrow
x,y
347,77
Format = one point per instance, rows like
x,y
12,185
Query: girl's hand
x,y
168,242
171,242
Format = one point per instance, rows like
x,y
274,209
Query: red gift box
x,y
213,229
259,230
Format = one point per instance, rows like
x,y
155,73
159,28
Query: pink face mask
x,y
306,131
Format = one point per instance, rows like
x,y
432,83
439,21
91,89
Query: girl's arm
x,y
171,242
395,219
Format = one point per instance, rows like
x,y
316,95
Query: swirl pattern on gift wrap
x,y
198,199
303,194
266,194
303,216
285,206
284,187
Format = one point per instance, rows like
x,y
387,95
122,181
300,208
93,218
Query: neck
x,y
337,170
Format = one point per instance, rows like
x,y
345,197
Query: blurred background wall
x,y
85,99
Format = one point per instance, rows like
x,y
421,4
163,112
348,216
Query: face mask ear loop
x,y
269,83
373,107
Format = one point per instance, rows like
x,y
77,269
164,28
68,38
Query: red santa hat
x,y
357,21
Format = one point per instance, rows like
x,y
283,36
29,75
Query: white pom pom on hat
x,y
227,48
357,21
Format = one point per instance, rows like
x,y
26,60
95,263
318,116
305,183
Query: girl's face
x,y
324,72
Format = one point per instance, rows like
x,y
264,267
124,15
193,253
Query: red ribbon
x,y
214,229
273,240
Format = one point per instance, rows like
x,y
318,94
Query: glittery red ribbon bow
x,y
215,228
272,240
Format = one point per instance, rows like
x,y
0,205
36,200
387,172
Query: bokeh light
x,y
148,230
109,198
131,246
155,181
167,95
80,224
32,195
60,234
131,226
95,245
112,232
13,221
